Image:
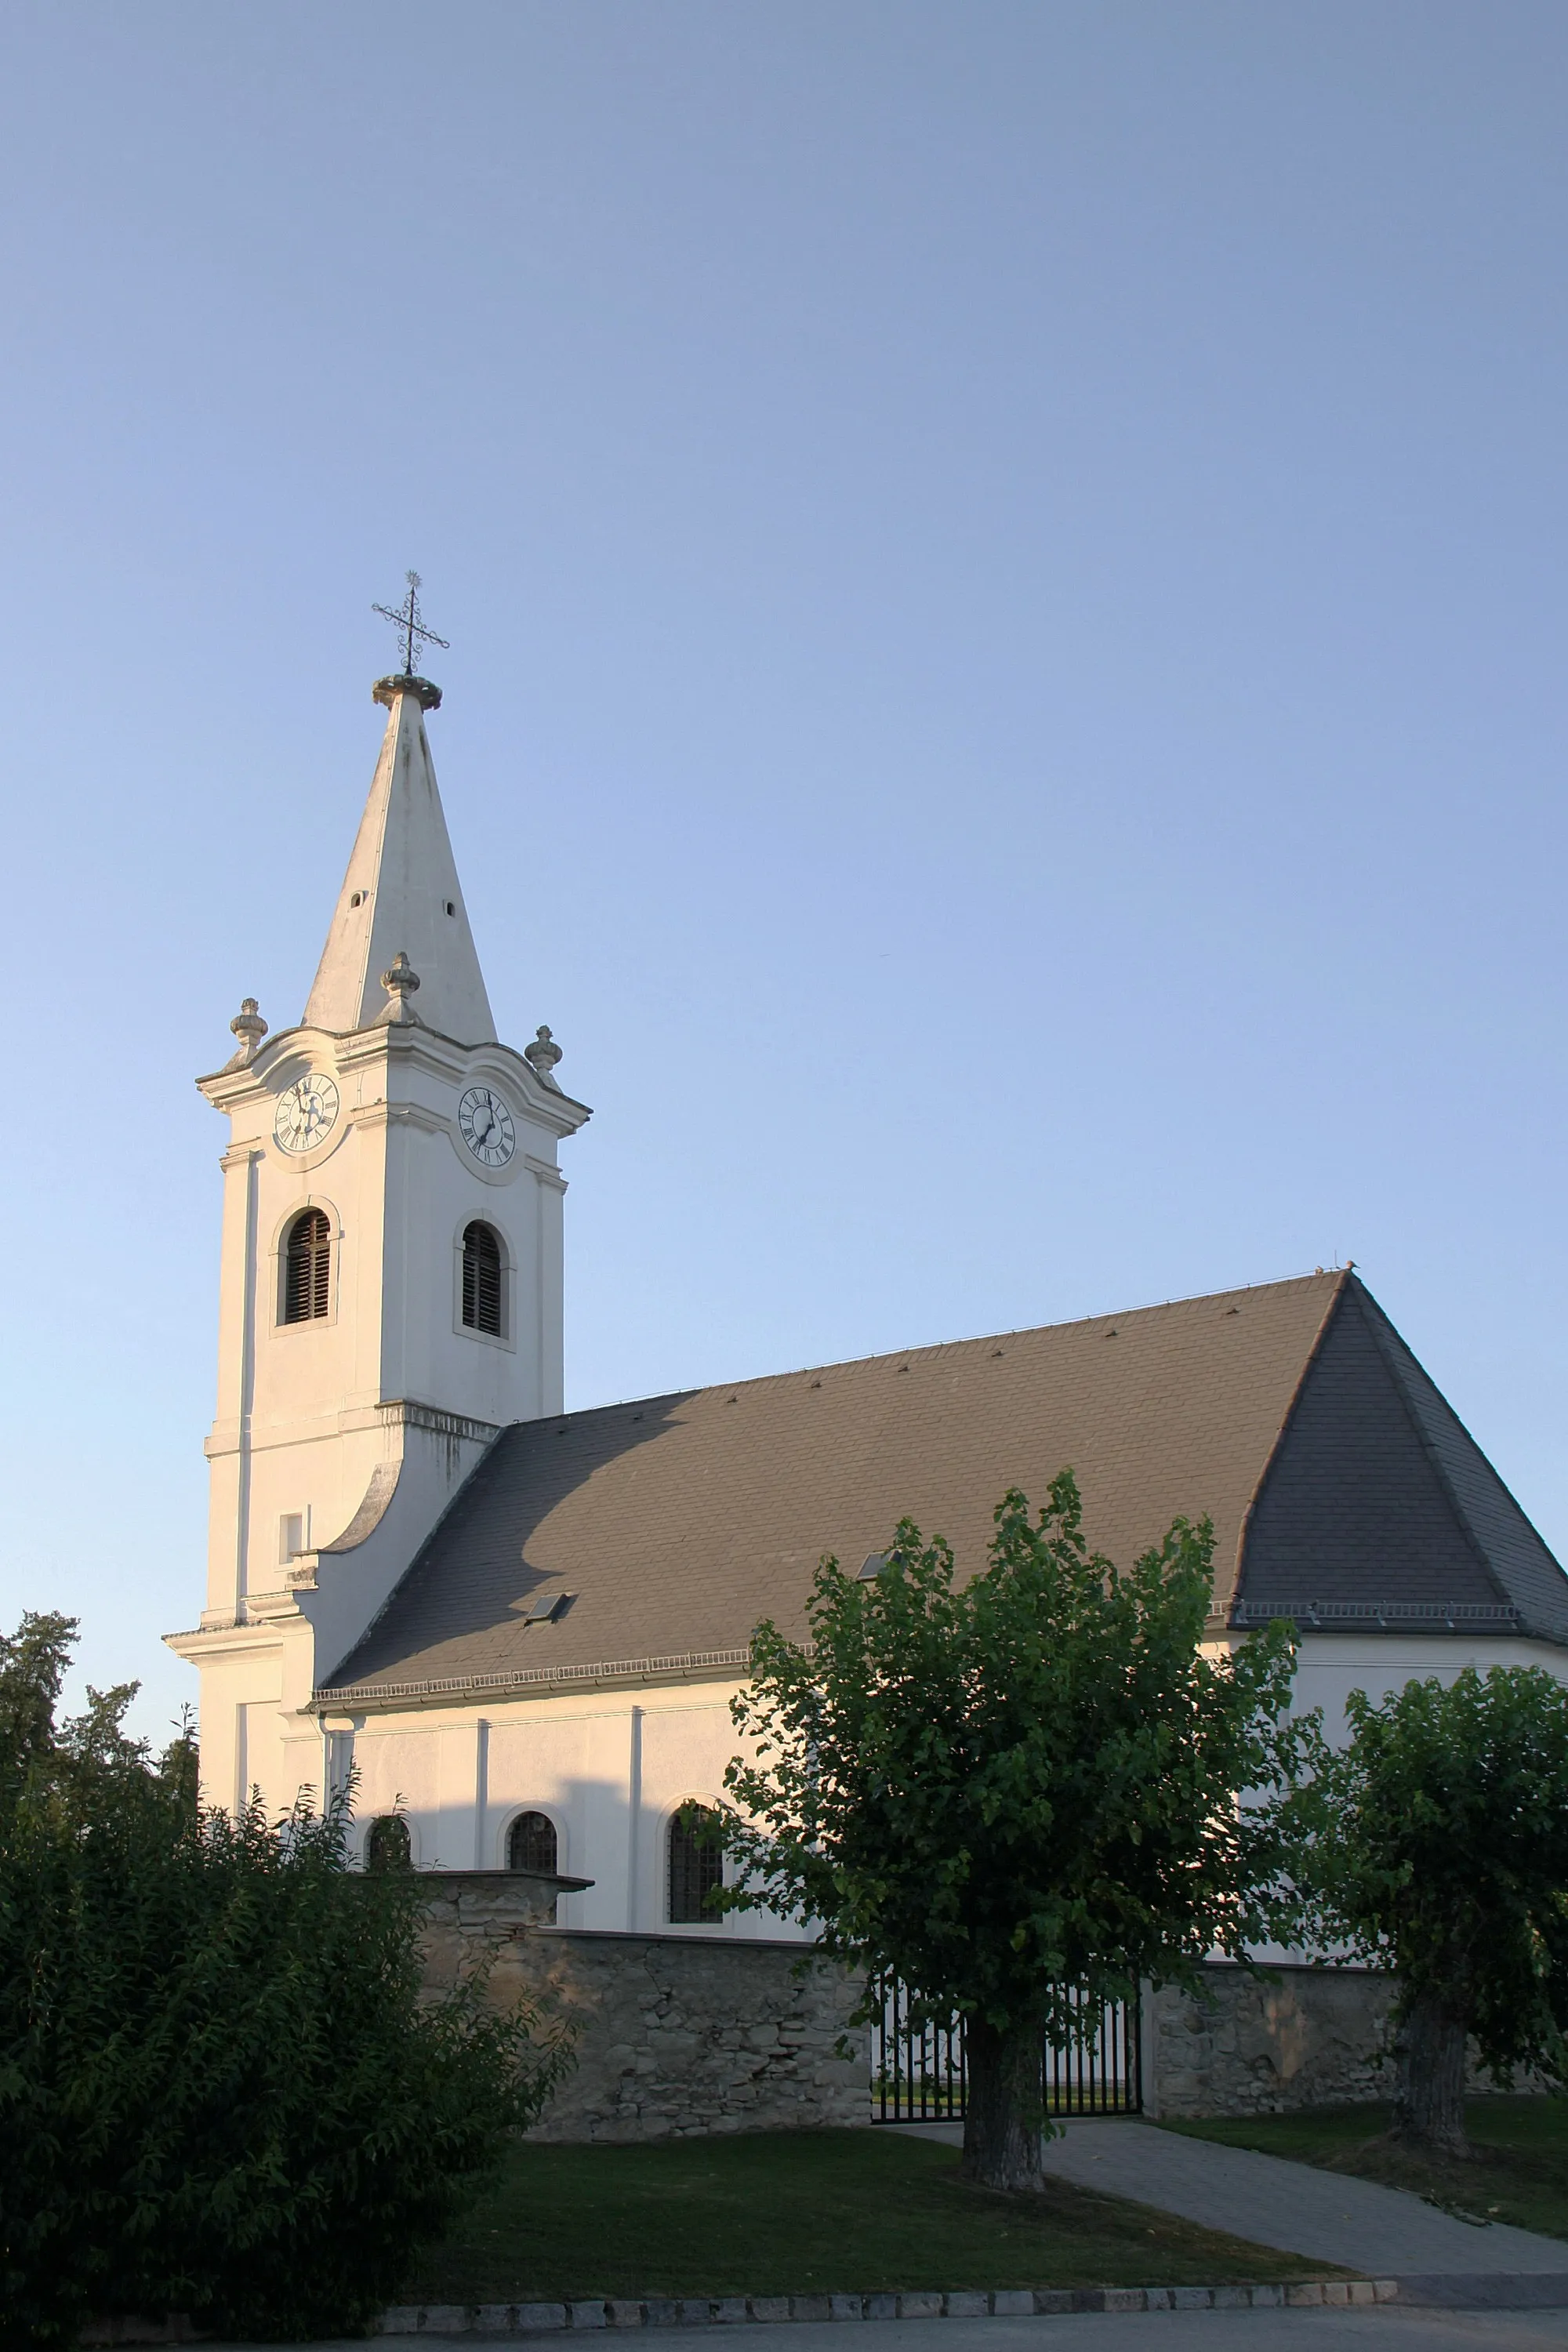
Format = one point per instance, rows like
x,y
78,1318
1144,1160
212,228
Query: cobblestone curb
x,y
740,2310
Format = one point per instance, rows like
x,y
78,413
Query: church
x,y
520,1628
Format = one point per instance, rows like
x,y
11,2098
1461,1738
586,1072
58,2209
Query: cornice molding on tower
x,y
252,1081
415,1045
411,1412
389,1414
268,1608
205,1645
412,1048
400,1113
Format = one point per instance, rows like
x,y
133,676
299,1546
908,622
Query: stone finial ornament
x,y
249,1028
400,982
541,1058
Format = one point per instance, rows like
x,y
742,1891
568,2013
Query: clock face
x,y
307,1113
485,1127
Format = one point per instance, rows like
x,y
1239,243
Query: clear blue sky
x,y
1006,572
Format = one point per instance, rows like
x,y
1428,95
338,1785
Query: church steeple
x,y
391,1286
401,895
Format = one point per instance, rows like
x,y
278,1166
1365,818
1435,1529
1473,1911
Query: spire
x,y
400,897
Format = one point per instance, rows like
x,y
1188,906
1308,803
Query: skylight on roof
x,y
543,1606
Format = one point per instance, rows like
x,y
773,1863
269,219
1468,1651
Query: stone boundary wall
x,y
1298,2037
1246,2045
698,2034
679,2034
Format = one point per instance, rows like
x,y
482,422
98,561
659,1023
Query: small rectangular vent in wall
x,y
291,1536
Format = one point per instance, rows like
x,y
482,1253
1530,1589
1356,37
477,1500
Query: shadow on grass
x,y
803,2214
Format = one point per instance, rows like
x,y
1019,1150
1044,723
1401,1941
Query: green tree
x,y
33,1663
221,2090
1436,1844
1002,1789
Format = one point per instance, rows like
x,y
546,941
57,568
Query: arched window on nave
x,y
695,1865
388,1845
531,1844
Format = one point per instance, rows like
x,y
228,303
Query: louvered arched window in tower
x,y
481,1280
308,1268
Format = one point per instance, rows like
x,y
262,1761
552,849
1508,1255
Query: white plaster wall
x,y
295,1429
609,1770
248,1737
564,1766
1331,1665
433,1189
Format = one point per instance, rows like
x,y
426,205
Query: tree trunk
x,y
1429,2106
1003,2118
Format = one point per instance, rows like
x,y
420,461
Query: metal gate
x,y
917,2072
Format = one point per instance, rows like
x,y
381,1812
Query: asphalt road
x,y
1383,2328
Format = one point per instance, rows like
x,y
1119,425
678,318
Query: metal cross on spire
x,y
405,620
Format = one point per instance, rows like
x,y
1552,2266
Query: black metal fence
x,y
1100,2070
918,2072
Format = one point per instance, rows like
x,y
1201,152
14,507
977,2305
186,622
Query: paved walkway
x,y
1328,2216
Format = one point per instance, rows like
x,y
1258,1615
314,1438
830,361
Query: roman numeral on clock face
x,y
307,1113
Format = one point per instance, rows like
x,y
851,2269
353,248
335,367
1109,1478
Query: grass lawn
x,y
803,2214
1520,2174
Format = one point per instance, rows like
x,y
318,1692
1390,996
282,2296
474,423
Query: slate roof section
x,y
1291,1413
1379,1507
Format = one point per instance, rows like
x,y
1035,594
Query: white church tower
x,y
391,1280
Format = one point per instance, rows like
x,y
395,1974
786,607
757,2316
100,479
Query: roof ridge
x,y
1224,1608
928,1347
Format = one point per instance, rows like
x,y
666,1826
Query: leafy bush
x,y
220,2089
1436,1843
